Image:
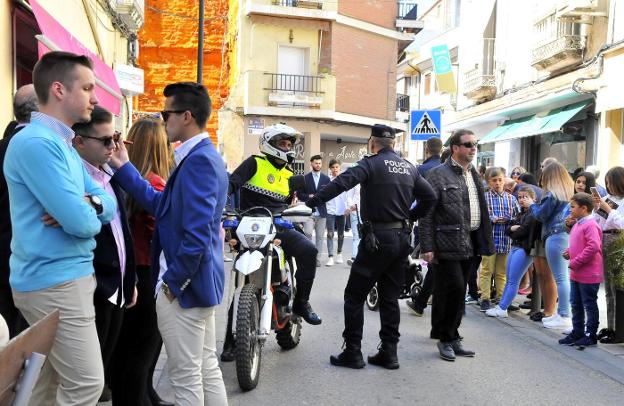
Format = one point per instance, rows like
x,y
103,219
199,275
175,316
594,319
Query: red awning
x,y
56,38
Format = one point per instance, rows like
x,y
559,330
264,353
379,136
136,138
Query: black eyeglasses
x,y
516,174
106,141
468,144
166,113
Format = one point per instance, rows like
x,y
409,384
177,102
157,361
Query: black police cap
x,y
382,131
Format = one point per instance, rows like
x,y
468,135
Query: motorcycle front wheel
x,y
372,299
248,348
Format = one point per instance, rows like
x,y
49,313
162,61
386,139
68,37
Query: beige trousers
x,y
73,373
190,342
493,265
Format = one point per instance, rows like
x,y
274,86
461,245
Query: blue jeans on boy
x,y
518,263
353,216
555,245
584,298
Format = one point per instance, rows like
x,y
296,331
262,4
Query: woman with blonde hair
x,y
140,344
552,211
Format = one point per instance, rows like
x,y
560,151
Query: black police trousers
x,y
297,245
386,267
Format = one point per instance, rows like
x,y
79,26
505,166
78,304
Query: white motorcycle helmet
x,y
270,138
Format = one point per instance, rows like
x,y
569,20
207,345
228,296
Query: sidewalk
x,y
605,358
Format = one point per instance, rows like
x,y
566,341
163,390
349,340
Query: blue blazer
x,y
188,221
310,189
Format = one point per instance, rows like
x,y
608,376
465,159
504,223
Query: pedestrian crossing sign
x,y
425,124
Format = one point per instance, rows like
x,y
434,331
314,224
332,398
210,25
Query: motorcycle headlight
x,y
254,240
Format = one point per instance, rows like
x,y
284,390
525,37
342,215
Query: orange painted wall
x,y
168,52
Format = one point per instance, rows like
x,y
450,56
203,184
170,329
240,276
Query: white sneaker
x,y
339,259
558,322
350,261
330,261
496,311
548,318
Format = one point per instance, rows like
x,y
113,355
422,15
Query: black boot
x,y
301,305
350,357
229,350
386,356
229,345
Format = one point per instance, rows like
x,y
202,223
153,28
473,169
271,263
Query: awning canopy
x,y
552,121
56,38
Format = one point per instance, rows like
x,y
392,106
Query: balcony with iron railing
x,y
480,82
407,17
307,9
298,95
559,44
300,3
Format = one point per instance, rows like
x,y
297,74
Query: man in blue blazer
x,y
314,181
187,251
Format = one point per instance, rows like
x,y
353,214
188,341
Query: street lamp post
x,y
200,43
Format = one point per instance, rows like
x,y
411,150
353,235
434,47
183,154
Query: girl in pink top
x,y
585,255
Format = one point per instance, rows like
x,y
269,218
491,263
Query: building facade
x,y
169,42
327,68
103,30
534,79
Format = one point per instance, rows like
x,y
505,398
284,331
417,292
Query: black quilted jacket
x,y
445,231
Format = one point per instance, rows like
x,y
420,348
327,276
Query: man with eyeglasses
x,y
452,235
187,249
113,257
56,211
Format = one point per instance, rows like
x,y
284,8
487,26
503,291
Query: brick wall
x,y
168,51
382,13
365,68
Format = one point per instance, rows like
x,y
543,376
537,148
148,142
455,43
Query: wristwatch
x,y
96,202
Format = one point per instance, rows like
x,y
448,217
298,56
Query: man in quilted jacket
x,y
452,235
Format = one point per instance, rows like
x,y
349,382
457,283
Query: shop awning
x,y
56,38
549,122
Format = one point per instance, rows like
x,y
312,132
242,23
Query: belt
x,y
613,231
391,226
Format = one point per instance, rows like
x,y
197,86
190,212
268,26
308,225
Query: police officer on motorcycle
x,y
263,181
389,185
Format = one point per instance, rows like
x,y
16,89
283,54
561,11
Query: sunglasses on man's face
x,y
166,113
106,141
469,144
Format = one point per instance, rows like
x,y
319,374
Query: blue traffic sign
x,y
425,124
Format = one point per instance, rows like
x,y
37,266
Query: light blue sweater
x,y
45,175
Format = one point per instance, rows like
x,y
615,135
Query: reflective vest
x,y
269,180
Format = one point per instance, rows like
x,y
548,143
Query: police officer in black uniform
x,y
389,186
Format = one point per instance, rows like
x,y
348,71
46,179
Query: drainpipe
x,y
200,43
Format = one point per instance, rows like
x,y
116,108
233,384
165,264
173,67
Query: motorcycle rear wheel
x,y
289,337
372,299
248,348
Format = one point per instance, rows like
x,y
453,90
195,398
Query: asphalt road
x,y
517,362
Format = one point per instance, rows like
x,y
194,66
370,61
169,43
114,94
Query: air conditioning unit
x,y
575,8
131,12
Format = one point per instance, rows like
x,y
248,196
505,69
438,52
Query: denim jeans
x,y
517,264
584,297
353,216
335,223
555,245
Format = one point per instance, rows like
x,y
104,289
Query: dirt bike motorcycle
x,y
265,287
411,287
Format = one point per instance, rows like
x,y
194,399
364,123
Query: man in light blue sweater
x,y
56,210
